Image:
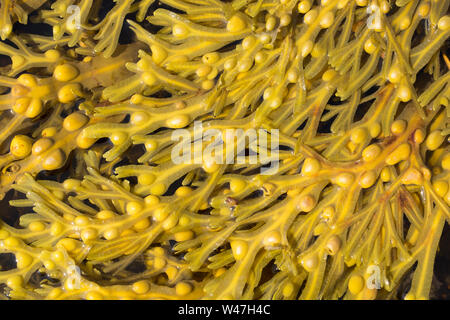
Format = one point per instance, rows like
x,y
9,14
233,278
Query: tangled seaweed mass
x,y
94,207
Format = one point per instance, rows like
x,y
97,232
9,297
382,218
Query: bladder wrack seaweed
x,y
357,90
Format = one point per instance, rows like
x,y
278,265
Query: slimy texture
x,y
94,207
